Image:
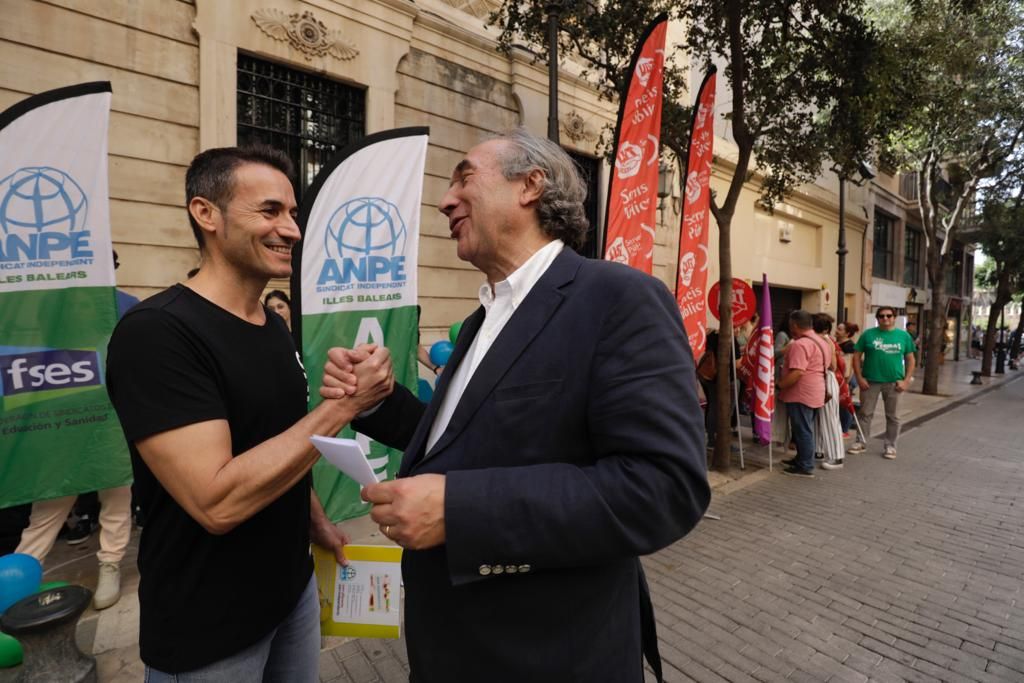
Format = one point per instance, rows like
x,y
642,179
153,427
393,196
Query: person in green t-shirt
x,y
884,362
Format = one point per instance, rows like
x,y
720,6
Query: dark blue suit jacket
x,y
577,446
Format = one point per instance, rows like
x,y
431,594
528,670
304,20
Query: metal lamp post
x,y
553,9
867,174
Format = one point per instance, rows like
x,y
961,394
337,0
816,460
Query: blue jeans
x,y
845,419
801,417
291,652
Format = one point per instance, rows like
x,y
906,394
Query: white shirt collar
x,y
519,283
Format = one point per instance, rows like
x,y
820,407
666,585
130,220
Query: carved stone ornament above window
x,y
481,9
305,33
576,129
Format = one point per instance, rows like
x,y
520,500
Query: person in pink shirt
x,y
802,388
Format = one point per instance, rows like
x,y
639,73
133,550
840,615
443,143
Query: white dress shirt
x,y
499,305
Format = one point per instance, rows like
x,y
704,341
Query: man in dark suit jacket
x,y
563,441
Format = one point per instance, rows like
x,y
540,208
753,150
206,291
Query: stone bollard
x,y
45,624
976,379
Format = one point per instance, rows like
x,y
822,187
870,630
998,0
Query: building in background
x,y
311,77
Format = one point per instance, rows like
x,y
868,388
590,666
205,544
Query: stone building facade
x,y
313,75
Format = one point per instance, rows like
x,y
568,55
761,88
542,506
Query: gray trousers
x,y
891,400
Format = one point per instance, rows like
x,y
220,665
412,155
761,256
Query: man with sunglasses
x,y
884,362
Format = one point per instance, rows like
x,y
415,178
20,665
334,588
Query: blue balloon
x,y
424,390
440,352
20,576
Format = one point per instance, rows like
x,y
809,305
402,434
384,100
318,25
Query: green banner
x,y
394,328
357,283
58,431
59,434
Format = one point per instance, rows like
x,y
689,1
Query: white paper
x,y
348,456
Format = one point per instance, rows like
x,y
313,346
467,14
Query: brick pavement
x,y
886,571
903,570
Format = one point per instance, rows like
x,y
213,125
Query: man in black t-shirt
x,y
212,398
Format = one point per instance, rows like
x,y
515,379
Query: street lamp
x,y
867,174
553,9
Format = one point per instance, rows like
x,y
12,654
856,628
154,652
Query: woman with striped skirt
x,y
828,432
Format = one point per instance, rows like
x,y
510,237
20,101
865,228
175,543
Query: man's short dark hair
x,y
823,322
801,319
885,308
211,175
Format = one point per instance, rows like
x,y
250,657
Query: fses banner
x,y
633,190
58,432
357,280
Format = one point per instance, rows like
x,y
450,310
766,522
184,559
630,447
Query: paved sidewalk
x,y
954,388
887,570
759,501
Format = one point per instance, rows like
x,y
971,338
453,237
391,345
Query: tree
x,y
1000,234
963,65
799,83
602,40
801,93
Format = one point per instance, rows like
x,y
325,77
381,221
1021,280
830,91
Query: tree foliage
x,y
962,67
602,40
999,231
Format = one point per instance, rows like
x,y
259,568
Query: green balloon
x,y
50,585
11,653
453,331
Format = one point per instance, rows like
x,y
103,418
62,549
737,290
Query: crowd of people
x,y
819,368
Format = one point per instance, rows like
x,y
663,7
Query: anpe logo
x,y
43,214
47,370
365,243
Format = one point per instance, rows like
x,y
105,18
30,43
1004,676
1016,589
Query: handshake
x,y
363,375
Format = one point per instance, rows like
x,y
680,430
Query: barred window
x,y
308,117
912,257
882,252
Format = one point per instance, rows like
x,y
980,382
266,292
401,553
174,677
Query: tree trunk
x,y
937,325
722,459
1001,299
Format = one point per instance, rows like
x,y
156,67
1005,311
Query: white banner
x,y
362,234
54,211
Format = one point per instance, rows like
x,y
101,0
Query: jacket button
x,y
485,570
511,569
497,569
524,568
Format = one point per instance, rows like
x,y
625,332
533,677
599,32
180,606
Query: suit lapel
x,y
416,445
529,319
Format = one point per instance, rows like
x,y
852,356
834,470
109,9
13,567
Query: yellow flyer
x,y
363,599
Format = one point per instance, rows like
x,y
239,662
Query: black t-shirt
x,y
178,359
847,346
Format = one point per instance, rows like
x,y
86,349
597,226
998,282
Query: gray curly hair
x,y
561,203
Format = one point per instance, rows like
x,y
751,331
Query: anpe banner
x,y
633,191
357,280
693,231
59,434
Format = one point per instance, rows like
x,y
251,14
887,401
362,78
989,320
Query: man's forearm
x,y
911,366
789,379
257,477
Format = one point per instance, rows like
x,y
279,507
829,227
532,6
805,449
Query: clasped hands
x,y
409,511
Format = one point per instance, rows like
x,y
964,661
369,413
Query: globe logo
x,y
42,198
365,226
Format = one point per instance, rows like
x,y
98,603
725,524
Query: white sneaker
x,y
837,465
890,453
108,587
858,447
